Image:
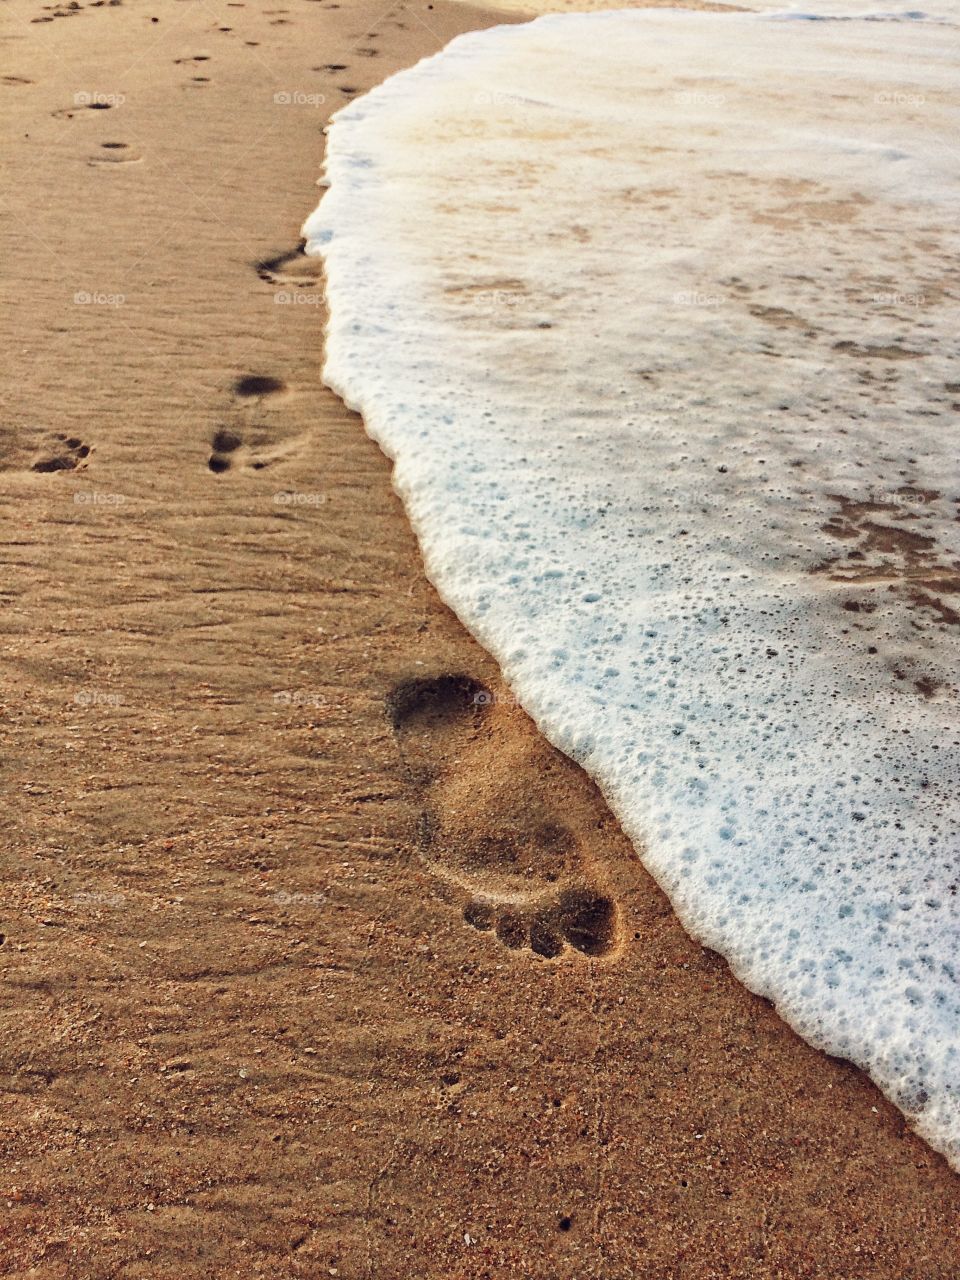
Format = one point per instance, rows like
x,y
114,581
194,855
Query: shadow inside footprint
x,y
588,921
433,700
258,384
223,443
580,918
496,822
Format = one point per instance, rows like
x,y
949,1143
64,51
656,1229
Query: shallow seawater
x,y
947,11
656,312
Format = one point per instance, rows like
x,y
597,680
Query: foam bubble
x,y
654,312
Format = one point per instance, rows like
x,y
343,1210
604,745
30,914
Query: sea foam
x,y
656,313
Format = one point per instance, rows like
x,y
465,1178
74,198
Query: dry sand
x,y
247,1029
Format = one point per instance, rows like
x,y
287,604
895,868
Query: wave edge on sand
x,y
729,595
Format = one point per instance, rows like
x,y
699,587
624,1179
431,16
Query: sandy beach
x,y
255,1021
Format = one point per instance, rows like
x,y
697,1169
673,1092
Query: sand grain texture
x,y
315,961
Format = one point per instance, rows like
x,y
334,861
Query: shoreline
x,y
248,1029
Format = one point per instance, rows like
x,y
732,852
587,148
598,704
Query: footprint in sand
x,y
251,447
292,268
500,819
112,153
61,453
224,444
68,113
249,450
193,60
